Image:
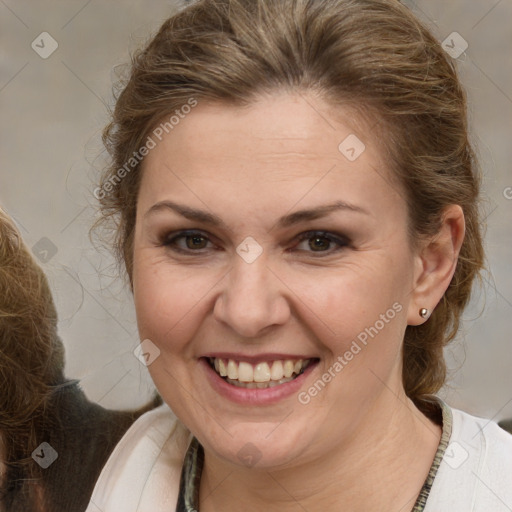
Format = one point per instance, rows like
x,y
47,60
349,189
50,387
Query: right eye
x,y
187,242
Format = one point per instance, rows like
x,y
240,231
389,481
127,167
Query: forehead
x,y
283,145
269,126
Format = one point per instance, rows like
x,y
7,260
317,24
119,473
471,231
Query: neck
x,y
386,461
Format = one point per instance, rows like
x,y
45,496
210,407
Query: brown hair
x,y
37,403
30,360
371,54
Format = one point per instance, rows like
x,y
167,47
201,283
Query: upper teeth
x,y
260,372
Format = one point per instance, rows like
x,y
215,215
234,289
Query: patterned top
x,y
434,408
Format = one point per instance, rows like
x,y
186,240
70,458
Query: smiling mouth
x,y
261,375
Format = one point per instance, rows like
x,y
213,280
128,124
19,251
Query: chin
x,y
258,445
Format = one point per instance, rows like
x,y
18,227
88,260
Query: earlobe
x,y
436,264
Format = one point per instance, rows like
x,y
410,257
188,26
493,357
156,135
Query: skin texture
x,y
360,441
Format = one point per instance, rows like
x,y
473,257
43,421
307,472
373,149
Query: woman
x,y
53,441
296,207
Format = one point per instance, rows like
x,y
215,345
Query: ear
x,y
435,264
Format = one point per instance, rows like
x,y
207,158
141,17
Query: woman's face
x,y
228,274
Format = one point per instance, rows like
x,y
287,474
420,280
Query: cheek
x,y
354,297
362,313
159,302
168,301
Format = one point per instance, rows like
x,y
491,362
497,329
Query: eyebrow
x,y
284,222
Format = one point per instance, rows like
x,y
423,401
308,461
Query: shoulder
x,y
476,470
484,433
143,471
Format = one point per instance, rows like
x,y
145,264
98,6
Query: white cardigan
x,y
143,472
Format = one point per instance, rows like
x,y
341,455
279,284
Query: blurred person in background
x,y
38,404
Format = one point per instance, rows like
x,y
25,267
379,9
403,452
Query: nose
x,y
253,299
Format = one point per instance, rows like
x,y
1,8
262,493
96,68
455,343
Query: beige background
x,y
52,112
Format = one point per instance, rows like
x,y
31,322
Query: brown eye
x,y
195,241
187,241
321,242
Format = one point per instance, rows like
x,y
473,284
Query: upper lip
x,y
258,358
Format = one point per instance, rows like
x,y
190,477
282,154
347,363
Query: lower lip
x,y
255,396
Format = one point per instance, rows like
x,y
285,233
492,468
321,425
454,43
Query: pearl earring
x,y
424,313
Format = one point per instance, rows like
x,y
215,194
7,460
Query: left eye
x,y
320,241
